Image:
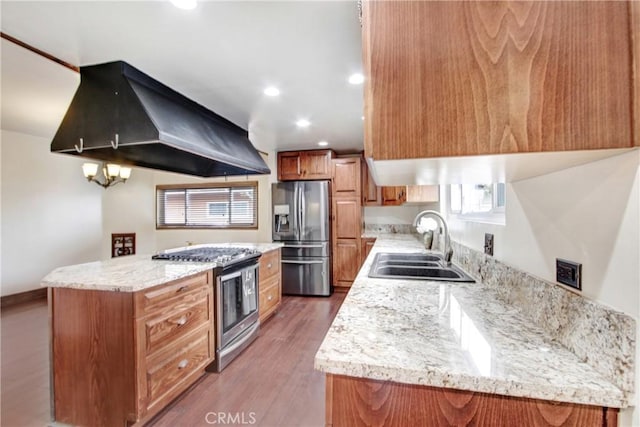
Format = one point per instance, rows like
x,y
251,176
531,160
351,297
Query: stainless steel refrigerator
x,y
300,219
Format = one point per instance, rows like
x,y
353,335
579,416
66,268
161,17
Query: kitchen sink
x,y
415,266
409,259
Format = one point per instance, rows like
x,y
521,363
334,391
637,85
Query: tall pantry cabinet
x,y
346,220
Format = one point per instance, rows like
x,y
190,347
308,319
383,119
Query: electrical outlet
x,y
488,244
569,273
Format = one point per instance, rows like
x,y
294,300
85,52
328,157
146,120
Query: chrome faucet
x,y
447,252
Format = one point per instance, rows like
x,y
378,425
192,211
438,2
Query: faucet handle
x,y
448,255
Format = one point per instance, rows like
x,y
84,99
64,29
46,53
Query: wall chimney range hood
x,y
119,114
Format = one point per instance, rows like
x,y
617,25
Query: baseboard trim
x,y
22,297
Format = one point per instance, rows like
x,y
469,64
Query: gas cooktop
x,y
221,255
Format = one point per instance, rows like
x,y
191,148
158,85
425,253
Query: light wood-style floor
x,y
272,383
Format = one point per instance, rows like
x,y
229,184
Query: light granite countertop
x,y
135,272
452,335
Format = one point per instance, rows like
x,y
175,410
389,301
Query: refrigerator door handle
x,y
291,261
303,213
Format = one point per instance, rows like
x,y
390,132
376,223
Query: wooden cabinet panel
x,y
466,78
270,297
304,165
289,166
316,164
346,177
363,402
422,193
269,265
166,372
347,218
371,193
270,286
367,245
92,357
166,328
393,196
346,264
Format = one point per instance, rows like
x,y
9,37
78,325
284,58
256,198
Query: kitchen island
x,y
128,335
416,352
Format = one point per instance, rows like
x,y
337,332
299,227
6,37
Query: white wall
x,y
50,215
131,207
589,214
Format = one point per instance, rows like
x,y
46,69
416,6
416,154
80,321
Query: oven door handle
x,y
231,275
291,261
302,246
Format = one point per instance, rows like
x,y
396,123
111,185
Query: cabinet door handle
x,y
269,298
182,288
269,265
181,321
183,364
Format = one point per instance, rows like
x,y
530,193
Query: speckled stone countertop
x,y
453,335
136,272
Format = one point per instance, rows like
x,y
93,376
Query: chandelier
x,y
112,173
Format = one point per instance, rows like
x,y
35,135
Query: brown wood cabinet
x,y
367,245
422,193
270,284
394,196
346,177
371,193
346,222
363,402
118,358
456,78
304,165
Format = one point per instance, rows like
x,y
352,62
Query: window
x,y
213,205
478,202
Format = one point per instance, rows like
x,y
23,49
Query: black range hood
x,y
119,114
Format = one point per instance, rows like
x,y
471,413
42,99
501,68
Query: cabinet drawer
x,y
160,297
168,371
269,264
166,328
269,296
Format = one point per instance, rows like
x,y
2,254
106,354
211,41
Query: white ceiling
x,y
221,54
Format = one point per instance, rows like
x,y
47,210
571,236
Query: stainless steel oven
x,y
236,301
235,275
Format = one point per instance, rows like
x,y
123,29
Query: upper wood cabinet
x,y
422,193
371,193
346,176
304,165
455,78
393,196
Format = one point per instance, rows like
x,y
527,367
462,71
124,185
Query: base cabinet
x,y
270,284
363,402
118,358
367,245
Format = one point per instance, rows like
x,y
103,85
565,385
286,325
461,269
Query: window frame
x,y
497,214
209,185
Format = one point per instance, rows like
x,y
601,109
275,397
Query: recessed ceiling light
x,y
272,91
185,4
303,123
323,143
356,79
362,117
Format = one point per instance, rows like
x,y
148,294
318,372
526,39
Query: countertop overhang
x,y
452,335
135,272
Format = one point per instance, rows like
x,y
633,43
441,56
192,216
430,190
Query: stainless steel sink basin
x,y
409,259
415,266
